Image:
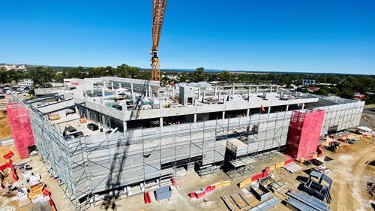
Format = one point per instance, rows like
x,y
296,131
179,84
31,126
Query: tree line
x,y
340,85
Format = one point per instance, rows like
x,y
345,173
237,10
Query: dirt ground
x,y
58,196
350,174
4,126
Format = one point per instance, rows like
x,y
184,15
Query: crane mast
x,y
159,7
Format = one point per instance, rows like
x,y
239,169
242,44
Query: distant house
x,y
312,88
359,96
25,82
307,82
13,67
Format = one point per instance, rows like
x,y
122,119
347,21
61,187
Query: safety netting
x,y
304,132
22,133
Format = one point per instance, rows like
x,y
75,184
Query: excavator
x,y
159,7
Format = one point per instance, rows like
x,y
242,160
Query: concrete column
x,y
199,93
112,86
287,107
204,96
277,88
150,92
269,109
271,89
132,91
103,92
215,94
219,95
161,122
103,122
125,125
257,89
119,85
248,112
223,115
233,89
248,100
303,105
195,118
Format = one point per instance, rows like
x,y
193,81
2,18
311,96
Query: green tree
x,y
42,76
199,75
226,76
347,93
322,91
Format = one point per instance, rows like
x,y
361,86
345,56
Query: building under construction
x,y
116,135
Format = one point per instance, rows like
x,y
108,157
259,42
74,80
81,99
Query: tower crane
x,y
159,7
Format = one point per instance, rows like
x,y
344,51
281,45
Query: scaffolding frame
x,y
84,165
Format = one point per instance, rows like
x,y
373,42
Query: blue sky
x,y
261,35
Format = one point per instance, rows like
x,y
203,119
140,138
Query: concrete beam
x,y
161,121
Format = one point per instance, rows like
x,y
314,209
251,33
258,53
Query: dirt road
x,y
350,175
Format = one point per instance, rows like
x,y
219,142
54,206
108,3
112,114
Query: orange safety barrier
x,y
266,170
147,197
47,193
279,165
272,167
288,161
192,195
8,154
83,120
209,188
200,194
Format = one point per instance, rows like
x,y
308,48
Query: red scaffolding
x,y
22,133
304,132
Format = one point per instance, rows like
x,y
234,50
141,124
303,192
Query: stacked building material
x,y
267,205
260,192
302,201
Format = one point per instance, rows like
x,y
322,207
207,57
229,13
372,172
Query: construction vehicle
x,y
159,7
333,146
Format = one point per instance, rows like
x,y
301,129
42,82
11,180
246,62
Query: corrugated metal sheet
x,y
266,205
308,200
292,167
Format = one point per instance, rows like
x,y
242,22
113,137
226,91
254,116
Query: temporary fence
x,y
304,132
22,133
264,173
202,192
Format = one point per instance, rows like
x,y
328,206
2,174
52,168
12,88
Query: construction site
x,y
125,143
103,138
